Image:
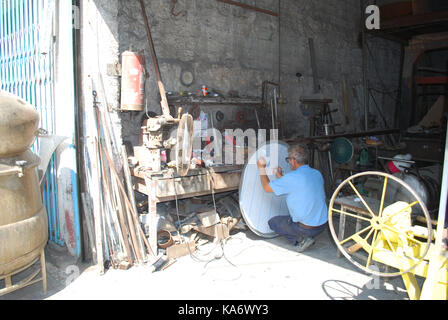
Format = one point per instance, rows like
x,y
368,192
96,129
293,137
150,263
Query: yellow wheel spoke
x,y
403,233
351,215
388,242
391,229
372,247
354,235
413,240
368,235
383,196
361,198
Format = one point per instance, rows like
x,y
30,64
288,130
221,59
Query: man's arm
x,y
263,176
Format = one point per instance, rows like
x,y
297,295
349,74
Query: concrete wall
x,y
231,48
99,53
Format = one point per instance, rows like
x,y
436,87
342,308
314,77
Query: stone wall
x,y
232,48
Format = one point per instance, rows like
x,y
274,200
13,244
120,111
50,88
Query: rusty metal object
x,y
18,124
23,218
166,236
133,81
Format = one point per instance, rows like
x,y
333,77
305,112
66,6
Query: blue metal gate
x,y
28,73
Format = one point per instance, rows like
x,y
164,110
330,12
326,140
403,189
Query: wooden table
x,y
354,204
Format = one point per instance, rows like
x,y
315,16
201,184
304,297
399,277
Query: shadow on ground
x,y
62,269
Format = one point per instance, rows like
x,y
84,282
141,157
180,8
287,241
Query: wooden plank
x,y
188,186
218,232
127,175
89,223
180,250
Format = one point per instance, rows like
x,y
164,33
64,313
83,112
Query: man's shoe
x,y
305,244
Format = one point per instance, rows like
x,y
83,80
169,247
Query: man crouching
x,y
305,198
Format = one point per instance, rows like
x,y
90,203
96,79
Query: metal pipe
x,y
434,268
364,70
400,89
276,108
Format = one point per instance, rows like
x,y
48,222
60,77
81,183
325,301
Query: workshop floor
x,y
246,267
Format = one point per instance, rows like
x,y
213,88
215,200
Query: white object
x,y
258,206
400,164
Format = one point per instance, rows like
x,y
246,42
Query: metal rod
x,y
316,87
276,108
364,70
400,90
107,189
353,135
246,6
434,268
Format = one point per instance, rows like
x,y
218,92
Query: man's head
x,y
298,155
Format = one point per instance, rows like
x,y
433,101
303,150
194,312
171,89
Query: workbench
x,y
166,185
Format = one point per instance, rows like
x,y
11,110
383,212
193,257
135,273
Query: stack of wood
x,y
110,213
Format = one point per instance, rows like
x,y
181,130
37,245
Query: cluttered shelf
x,y
217,99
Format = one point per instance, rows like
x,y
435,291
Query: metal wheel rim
x,y
343,250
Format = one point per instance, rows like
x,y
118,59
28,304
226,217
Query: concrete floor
x,y
246,267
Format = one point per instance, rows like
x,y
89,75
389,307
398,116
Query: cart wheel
x,y
375,233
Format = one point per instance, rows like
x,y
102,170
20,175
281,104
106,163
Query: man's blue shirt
x,y
305,195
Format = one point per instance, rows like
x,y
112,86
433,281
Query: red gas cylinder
x,y
132,81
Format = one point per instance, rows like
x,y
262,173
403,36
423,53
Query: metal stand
x,y
321,124
31,279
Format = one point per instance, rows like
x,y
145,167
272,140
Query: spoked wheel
x,y
377,233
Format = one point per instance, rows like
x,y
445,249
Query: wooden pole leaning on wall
x,y
128,179
110,193
164,102
123,191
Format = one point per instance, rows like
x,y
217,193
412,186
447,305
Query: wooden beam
x,y
432,80
415,20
